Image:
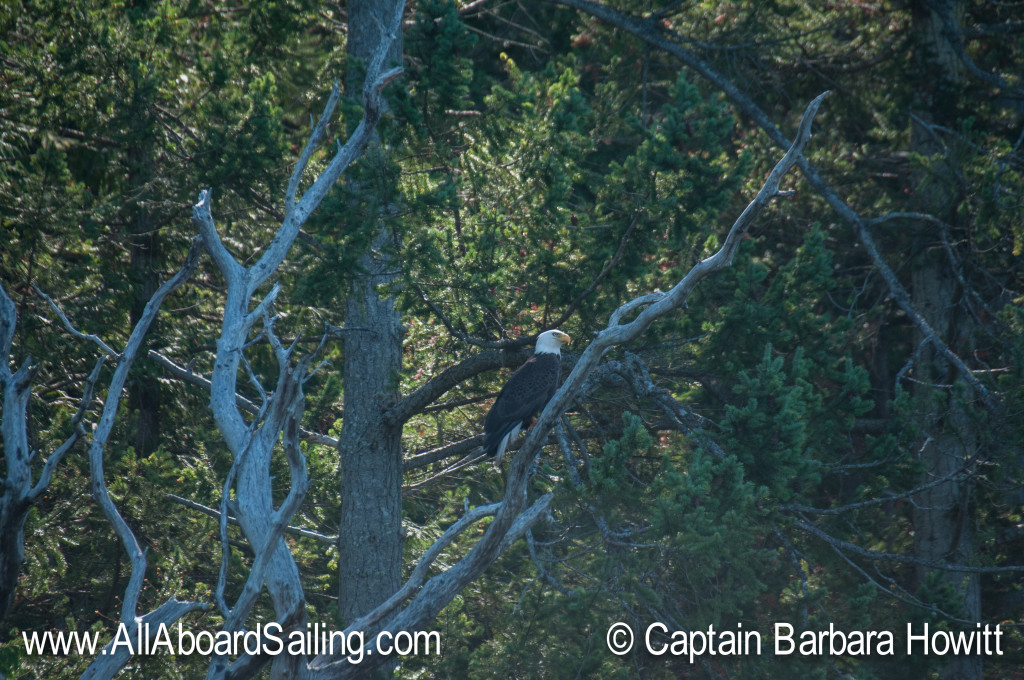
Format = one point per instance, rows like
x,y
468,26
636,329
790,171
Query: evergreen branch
x,y
466,337
600,277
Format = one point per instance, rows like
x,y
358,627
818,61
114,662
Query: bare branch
x,y
421,607
287,407
951,29
106,423
14,501
452,376
469,459
78,431
111,659
900,558
297,213
252,444
202,216
316,139
186,374
8,323
956,474
649,31
457,448
617,333
213,512
420,572
95,339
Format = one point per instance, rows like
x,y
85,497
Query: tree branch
x,y
900,558
187,374
213,512
452,376
649,31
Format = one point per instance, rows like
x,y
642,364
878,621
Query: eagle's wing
x,y
523,396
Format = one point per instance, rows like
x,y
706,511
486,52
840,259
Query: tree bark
x,y
144,399
370,447
943,530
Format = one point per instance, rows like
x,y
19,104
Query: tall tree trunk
x,y
143,246
144,388
943,528
370,534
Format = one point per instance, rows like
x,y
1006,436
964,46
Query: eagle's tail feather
x,y
503,444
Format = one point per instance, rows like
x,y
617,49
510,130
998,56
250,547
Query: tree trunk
x,y
943,526
370,533
143,388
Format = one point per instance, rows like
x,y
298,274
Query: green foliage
x,y
523,154
769,432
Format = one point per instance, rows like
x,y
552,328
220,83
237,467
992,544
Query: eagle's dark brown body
x,y
525,394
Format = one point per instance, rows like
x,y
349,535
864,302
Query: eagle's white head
x,y
551,342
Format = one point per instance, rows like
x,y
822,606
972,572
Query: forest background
x,y
826,432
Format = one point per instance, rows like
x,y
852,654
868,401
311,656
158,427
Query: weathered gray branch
x,y
326,666
111,660
98,341
187,374
422,567
252,442
651,32
14,500
456,448
213,512
78,432
900,558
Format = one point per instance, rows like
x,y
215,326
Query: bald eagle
x,y
525,394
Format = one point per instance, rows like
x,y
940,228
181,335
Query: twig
x,y
213,512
